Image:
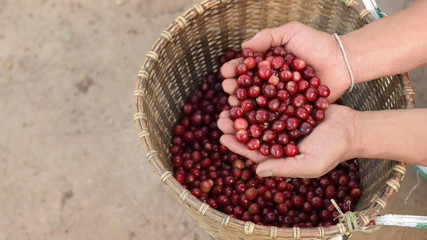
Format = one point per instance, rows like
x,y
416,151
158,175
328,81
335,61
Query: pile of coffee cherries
x,y
281,100
228,182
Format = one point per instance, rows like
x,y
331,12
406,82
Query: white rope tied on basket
x,y
413,188
401,220
350,219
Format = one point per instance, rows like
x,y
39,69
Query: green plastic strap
x,y
379,12
421,225
419,170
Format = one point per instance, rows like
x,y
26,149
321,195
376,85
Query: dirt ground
x,y
71,166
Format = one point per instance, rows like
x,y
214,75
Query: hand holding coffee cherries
x,y
317,48
277,107
316,154
344,133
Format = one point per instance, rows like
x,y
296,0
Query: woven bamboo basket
x,y
189,48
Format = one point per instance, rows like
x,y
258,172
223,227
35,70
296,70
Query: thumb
x,y
284,167
287,167
271,37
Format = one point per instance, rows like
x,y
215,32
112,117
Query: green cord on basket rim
x,y
350,218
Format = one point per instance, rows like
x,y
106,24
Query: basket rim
x,y
186,198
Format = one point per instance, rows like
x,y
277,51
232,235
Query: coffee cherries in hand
x,y
281,101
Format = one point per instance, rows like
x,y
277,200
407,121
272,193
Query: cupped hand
x,y
317,48
331,142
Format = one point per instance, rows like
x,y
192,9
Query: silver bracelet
x,y
346,62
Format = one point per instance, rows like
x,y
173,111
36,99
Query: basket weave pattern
x,y
189,48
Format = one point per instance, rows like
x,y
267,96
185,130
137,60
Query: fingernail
x,y
249,38
265,173
246,40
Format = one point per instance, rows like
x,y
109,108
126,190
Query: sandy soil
x,y
71,166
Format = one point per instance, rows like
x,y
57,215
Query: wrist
x,y
360,61
355,58
344,61
359,131
341,76
345,120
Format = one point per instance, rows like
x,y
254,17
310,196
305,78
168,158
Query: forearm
x,y
392,134
391,45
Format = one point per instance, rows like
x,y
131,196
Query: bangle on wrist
x,y
346,61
